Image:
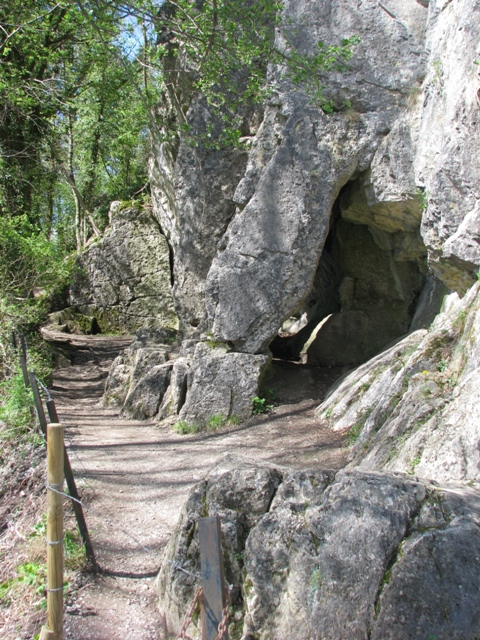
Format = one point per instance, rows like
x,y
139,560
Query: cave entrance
x,y
367,285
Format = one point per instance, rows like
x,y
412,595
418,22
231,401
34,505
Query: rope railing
x,y
215,605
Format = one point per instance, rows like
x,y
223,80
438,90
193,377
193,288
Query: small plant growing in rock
x,y
264,402
414,464
183,427
354,432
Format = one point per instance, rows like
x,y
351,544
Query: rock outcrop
x,y
123,279
414,407
139,378
248,231
314,554
352,225
200,381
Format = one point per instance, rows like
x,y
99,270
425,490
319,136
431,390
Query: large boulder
x,y
139,377
221,383
313,554
122,279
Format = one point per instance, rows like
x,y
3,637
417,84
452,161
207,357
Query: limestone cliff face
x,y
248,235
356,224
364,227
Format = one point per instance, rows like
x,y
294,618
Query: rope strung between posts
x,y
175,565
56,489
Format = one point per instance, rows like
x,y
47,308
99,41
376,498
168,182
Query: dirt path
x,y
135,477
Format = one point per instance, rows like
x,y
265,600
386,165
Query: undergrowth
x,y
264,402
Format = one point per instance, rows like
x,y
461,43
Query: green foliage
x,y
30,263
264,402
74,550
215,422
422,196
413,465
184,428
73,130
354,432
15,408
224,47
32,575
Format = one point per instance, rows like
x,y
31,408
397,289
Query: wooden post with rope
x,y
72,490
54,629
69,477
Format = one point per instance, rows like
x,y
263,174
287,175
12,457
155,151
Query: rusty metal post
x,y
23,360
211,559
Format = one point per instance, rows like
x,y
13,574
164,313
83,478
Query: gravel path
x,y
134,476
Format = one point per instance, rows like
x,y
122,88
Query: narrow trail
x,y
134,476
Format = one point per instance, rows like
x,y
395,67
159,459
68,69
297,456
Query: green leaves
x,y
225,47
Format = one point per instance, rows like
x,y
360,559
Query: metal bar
x,y
23,360
38,404
211,559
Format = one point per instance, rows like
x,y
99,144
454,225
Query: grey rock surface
x,y
221,383
447,159
240,493
401,162
356,554
139,378
123,279
414,407
270,252
193,191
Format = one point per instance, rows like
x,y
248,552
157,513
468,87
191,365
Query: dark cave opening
x,y
367,286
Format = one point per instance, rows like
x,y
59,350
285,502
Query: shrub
x,y
264,402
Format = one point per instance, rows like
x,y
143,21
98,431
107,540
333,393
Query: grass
x,y
354,432
23,578
15,407
215,422
184,428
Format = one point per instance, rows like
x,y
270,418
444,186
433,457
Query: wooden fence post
x,y
72,490
54,630
67,469
211,559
